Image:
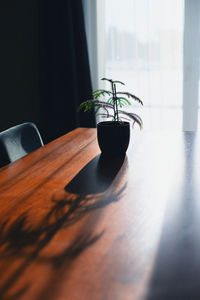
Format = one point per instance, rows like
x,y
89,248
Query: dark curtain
x,y
64,68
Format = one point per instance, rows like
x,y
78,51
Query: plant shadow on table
x,y
97,185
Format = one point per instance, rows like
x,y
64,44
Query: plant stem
x,y
113,95
116,104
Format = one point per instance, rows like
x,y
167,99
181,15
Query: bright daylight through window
x,y
144,49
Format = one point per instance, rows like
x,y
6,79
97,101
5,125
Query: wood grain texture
x,y
76,225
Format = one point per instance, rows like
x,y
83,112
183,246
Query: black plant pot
x,y
113,137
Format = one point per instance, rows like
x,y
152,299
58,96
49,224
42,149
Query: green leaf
x,y
120,104
86,105
129,95
125,101
99,93
110,100
117,81
113,81
110,80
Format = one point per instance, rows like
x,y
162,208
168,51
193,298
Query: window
x,y
153,46
144,49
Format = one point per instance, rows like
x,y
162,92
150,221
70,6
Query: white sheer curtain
x,y
154,47
191,55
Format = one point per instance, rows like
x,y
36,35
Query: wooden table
x,y
75,225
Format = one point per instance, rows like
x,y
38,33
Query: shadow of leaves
x,y
97,185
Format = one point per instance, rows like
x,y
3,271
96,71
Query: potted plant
x,y
114,134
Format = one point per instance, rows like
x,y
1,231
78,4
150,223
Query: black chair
x,y
18,141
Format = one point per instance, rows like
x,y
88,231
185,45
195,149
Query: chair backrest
x,y
18,141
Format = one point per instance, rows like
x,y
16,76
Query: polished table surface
x,y
76,225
